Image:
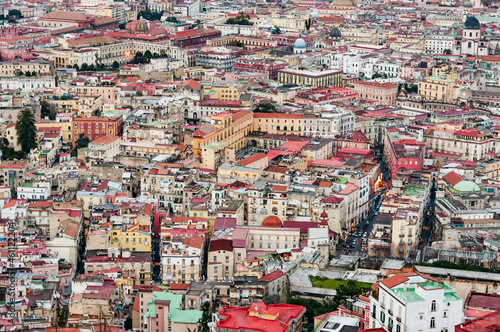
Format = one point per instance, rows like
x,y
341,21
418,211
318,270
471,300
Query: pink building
x,y
405,156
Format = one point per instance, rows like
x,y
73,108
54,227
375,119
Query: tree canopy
x,y
241,19
26,130
149,15
276,31
265,108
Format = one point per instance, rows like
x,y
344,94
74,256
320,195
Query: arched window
x,y
433,305
433,323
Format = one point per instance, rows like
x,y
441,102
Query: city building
x,y
413,302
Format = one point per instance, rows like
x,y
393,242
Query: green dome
x,y
468,4
488,30
466,186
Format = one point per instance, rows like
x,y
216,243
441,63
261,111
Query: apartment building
x,y
220,260
9,69
311,78
266,200
471,144
437,88
228,128
381,93
278,123
95,127
414,302
136,237
182,258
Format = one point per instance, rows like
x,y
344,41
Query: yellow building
x,y
436,88
65,128
107,92
228,128
79,105
222,92
312,78
278,123
11,135
9,69
136,238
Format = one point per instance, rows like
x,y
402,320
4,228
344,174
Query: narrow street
x,y
426,234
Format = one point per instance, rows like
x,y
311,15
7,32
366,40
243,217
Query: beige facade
x,y
9,69
472,148
263,238
10,133
278,123
104,148
436,88
405,229
381,93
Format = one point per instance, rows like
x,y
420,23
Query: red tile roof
x,y
247,318
221,244
192,84
453,178
252,159
394,280
332,199
483,300
179,286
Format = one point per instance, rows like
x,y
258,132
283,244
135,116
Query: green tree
x,y
148,55
235,43
15,13
447,51
308,23
276,31
138,58
76,67
34,73
85,67
116,65
91,67
241,19
44,108
265,108
128,323
377,75
172,19
26,130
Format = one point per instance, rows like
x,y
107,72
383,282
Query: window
x,y
433,323
433,305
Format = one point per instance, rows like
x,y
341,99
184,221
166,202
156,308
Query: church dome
x,y
468,4
300,43
335,33
142,27
272,221
314,15
467,187
472,23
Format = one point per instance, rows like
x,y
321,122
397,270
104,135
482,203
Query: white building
x,y
235,29
27,83
34,190
189,8
437,44
412,302
354,63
